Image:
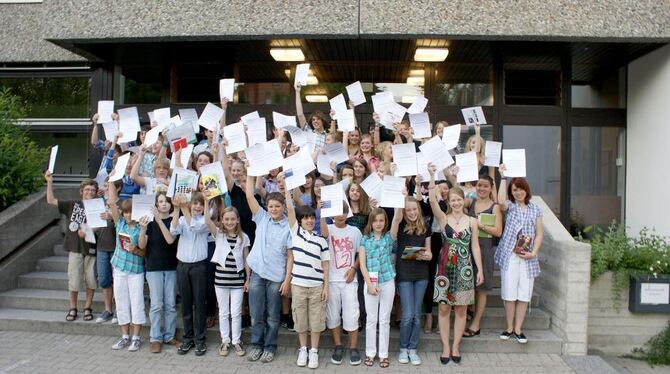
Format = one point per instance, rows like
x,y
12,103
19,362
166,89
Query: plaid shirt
x,y
517,222
378,255
123,260
320,141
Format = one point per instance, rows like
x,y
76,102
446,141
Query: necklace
x,y
458,220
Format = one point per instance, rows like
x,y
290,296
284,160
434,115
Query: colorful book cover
x,y
411,253
184,185
125,242
212,186
488,220
178,144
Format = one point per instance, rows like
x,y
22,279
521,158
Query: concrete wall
x,y
617,332
648,153
564,282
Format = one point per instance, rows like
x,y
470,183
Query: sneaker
x,y
135,345
155,347
267,356
302,357
104,317
224,348
505,335
354,357
255,354
313,358
521,338
403,356
200,349
414,357
290,325
239,349
185,347
122,343
336,358
114,320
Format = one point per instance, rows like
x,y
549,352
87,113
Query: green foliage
x,y
657,350
20,157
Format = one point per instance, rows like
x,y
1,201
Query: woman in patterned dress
x,y
455,276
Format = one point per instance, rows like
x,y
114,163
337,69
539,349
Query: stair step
x,y
59,250
52,280
540,341
52,263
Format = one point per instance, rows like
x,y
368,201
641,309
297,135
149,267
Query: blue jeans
x,y
411,298
163,294
103,265
264,302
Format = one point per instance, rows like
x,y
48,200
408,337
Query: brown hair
x,y
238,229
371,218
88,182
276,196
126,206
417,227
521,183
363,202
197,197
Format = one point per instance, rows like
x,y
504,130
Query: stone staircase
x,y
40,303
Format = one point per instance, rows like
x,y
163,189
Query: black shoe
x,y
505,335
336,358
456,359
290,325
185,347
444,360
521,338
246,321
200,349
469,333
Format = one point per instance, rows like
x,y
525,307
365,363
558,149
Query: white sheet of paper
x,y
392,113
294,177
298,137
451,135
89,236
300,160
142,207
346,121
105,110
418,105
280,120
256,130
128,131
151,137
250,116
263,157
515,162
190,115
391,194
120,167
110,128
274,155
404,157
323,165
372,185
492,152
336,152
473,115
185,157
129,119
210,117
422,168
467,167
654,293
380,100
183,131
355,93
215,168
173,180
420,124
93,208
227,89
237,138
162,116
338,104
333,201
438,154
52,158
301,73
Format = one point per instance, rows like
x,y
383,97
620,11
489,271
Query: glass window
x,y
135,92
607,92
263,93
72,151
532,87
464,85
51,97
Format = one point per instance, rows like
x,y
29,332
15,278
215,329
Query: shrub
x,y
656,351
20,158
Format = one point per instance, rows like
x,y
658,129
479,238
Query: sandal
x,y
369,361
88,314
71,315
211,321
469,333
383,363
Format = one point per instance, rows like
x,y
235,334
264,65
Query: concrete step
x,y
540,341
52,280
52,263
57,300
59,250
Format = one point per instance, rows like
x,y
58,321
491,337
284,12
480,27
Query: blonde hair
x,y
238,228
380,149
443,123
417,227
481,145
457,191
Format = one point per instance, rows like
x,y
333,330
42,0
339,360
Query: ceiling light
x,y
287,54
316,98
416,81
417,73
312,80
408,99
431,54
288,73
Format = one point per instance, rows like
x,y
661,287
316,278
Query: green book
x,y
489,220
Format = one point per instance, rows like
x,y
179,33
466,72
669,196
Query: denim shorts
x,y
104,268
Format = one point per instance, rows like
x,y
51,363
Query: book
x,y
411,253
124,242
488,220
212,186
184,185
522,245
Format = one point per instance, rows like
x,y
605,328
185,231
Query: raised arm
x,y
432,198
324,227
51,199
395,224
225,163
164,229
502,190
302,121
112,199
95,139
251,199
289,205
208,219
174,224
135,171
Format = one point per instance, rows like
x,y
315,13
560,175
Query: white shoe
x,y
403,356
313,358
302,357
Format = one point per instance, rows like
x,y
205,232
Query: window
x,y
72,151
532,87
51,97
464,85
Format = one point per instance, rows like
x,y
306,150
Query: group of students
x,y
272,244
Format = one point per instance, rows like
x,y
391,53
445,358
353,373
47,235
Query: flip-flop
x,y
469,333
369,361
383,363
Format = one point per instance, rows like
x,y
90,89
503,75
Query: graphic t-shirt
x,y
344,244
74,211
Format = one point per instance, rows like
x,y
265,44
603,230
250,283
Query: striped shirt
x,y
227,275
518,221
123,260
378,255
308,252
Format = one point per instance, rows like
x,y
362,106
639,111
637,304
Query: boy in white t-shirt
x,y
342,307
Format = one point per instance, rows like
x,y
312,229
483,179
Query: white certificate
x,y
162,117
420,124
256,130
654,293
338,105
210,117
468,169
185,157
120,167
280,120
298,137
189,115
263,157
422,168
333,200
151,137
323,165
129,132
301,160
355,93
372,185
294,177
110,128
473,115
380,100
52,158
515,162
418,105
404,157
129,118
250,116
392,196
105,110
237,138
227,89
143,206
451,136
93,209
492,152
392,113
336,152
301,73
438,154
346,120
89,235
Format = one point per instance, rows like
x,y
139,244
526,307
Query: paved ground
x,y
31,352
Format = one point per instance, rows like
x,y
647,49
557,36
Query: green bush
x,y
657,350
20,158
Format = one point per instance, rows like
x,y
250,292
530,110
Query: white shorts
x,y
515,283
342,307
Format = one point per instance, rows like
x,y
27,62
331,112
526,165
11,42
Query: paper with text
x,y
236,137
392,188
227,89
355,93
492,151
404,157
301,73
372,185
420,125
451,135
120,167
93,209
418,106
473,115
52,158
256,130
515,162
438,153
280,120
468,170
143,207
333,200
210,117
105,110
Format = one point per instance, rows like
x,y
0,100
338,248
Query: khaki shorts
x,y
80,272
309,312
